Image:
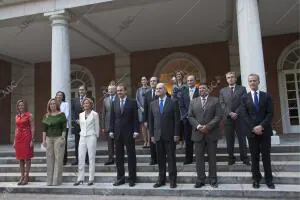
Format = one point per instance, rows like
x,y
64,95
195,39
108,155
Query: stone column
x,y
123,71
250,42
60,54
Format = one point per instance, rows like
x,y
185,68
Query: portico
x,y
97,41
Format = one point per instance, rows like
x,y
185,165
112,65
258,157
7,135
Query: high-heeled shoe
x,y
21,179
90,183
78,183
25,180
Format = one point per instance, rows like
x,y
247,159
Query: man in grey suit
x,y
105,122
230,101
204,116
164,126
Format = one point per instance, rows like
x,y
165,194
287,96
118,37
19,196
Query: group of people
x,y
189,114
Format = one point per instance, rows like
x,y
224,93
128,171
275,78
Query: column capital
x,y
60,17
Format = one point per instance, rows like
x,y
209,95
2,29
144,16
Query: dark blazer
x,y
252,118
125,123
147,101
231,104
166,125
185,103
210,117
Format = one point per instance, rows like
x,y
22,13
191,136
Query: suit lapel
x,y
261,100
166,104
251,100
196,93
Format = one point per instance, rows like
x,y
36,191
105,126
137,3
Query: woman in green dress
x,y
54,141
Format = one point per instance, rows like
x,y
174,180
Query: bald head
x,y
161,90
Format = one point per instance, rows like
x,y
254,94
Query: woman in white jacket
x,y
89,125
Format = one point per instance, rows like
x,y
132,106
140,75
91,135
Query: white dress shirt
x,y
64,107
252,94
89,125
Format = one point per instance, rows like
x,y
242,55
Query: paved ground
x,y
81,197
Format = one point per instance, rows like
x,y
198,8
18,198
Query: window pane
x,y
294,121
292,57
293,112
291,95
290,86
292,103
288,65
290,77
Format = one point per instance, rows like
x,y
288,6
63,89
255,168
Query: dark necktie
x,y
256,102
231,92
161,106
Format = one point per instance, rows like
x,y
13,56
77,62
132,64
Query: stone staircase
x,y
234,181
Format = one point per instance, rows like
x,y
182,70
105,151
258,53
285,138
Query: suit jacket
x,y
231,104
166,125
76,110
252,118
106,112
90,125
147,101
125,123
210,117
185,103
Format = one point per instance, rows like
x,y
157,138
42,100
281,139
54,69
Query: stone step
x,y
151,177
141,151
282,191
277,166
146,158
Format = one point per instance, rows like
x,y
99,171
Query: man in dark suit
x,y
76,110
257,112
230,101
148,98
124,126
204,116
164,125
184,107
105,122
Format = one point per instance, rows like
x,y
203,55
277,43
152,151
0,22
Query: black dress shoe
x,y
247,162
75,163
214,184
78,183
231,162
90,183
153,162
270,185
109,162
173,185
187,162
255,184
131,183
159,184
199,185
119,182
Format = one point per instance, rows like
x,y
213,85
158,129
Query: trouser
x,y
55,155
153,153
166,148
260,144
131,155
77,138
110,147
232,128
200,159
66,147
189,144
87,144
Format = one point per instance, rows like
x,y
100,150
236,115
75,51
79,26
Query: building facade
x,y
46,46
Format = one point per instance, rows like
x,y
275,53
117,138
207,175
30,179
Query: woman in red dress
x,y
24,138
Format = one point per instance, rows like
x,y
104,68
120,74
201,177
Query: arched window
x,y
80,76
184,62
